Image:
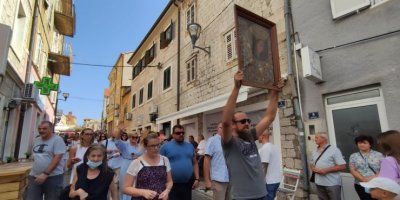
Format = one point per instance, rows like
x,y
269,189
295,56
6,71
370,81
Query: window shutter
x,y
162,40
188,72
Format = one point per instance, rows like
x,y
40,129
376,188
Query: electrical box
x,y
311,65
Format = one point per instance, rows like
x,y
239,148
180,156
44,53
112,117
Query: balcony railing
x,y
64,17
61,63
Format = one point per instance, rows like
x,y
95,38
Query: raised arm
x,y
265,122
229,108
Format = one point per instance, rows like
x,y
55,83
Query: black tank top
x,y
96,188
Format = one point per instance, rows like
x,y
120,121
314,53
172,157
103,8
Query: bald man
x,y
327,168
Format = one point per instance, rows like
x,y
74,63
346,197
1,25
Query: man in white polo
x,y
327,168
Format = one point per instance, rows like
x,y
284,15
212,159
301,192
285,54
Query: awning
x,y
59,64
211,104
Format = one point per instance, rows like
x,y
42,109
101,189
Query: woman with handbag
x,y
364,164
93,179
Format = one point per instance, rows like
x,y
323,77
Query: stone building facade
x,y
190,87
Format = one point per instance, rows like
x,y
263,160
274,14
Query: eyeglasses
x,y
156,146
180,133
243,121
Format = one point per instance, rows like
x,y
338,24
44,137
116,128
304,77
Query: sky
x,y
104,29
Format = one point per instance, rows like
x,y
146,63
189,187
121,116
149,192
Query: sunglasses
x,y
180,133
243,121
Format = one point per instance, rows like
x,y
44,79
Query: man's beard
x,y
244,134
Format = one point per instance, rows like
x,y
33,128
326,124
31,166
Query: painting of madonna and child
x,y
257,49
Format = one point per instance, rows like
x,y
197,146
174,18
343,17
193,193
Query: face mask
x,y
367,190
93,165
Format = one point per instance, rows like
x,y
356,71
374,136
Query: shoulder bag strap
x,y
321,154
366,161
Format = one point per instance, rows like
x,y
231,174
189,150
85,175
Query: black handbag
x,y
65,194
312,178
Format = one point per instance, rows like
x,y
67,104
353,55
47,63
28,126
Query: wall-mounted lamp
x,y
159,65
65,95
194,30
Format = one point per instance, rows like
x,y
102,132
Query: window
x,y
341,8
190,15
49,8
141,96
38,50
150,54
167,78
191,69
230,39
18,37
133,101
55,44
150,90
166,36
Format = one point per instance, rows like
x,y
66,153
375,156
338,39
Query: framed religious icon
x,y
257,48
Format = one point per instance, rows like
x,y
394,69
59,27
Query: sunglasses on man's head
x,y
180,133
243,121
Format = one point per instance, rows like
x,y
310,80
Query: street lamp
x,y
194,30
65,95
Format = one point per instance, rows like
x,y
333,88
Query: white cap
x,y
383,183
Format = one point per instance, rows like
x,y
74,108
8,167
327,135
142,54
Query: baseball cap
x,y
383,183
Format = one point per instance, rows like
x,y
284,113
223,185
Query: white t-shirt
x,y
136,166
269,154
202,147
115,158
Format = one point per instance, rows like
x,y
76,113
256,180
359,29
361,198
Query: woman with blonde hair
x,y
77,152
389,144
149,176
129,151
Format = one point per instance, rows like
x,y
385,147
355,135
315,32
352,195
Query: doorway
x,y
351,114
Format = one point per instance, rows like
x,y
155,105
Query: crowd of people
x,y
127,165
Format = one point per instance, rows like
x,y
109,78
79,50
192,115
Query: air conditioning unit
x,y
311,65
30,92
116,107
153,109
128,116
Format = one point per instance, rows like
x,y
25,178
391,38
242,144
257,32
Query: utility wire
x,y
84,99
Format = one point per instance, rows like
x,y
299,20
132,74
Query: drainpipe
x,y
178,79
295,98
4,138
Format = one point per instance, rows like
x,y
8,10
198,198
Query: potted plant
x,y
9,159
28,155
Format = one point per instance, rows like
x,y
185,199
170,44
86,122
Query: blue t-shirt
x,y
180,156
